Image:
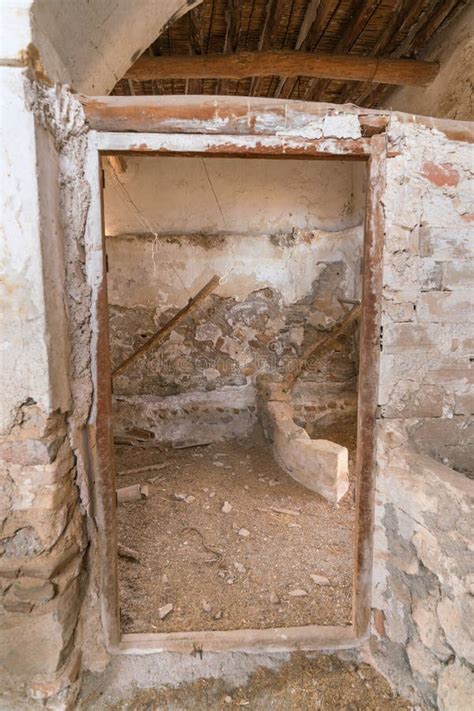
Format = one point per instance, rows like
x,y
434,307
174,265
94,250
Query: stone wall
x,y
423,563
280,293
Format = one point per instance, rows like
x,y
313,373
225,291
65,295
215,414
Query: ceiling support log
x,y
285,63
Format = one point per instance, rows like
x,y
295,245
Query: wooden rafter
x,y
283,63
309,18
273,14
196,46
354,29
402,42
233,19
324,12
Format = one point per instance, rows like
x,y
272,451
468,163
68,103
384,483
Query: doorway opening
x,y
234,304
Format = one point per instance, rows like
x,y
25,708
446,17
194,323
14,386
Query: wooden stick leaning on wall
x,y
165,330
326,341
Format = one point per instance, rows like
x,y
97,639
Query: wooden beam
x,y
345,43
273,15
160,335
349,92
230,115
327,340
194,86
402,42
233,19
117,163
285,63
308,20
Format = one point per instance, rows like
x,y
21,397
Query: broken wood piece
x,y
327,340
135,492
276,509
140,470
125,552
165,330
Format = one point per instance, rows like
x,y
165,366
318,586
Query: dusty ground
x,y
322,684
192,554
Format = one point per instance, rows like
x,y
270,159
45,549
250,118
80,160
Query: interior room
x,y
234,292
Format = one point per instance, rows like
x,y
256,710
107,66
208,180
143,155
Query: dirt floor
x,y
324,683
212,544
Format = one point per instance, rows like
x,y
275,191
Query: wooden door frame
x,y
184,126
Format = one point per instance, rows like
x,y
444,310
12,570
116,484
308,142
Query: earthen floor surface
x,y
324,683
248,568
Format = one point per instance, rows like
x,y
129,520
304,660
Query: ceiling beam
x,y
308,19
273,14
325,10
194,86
349,37
285,63
233,20
413,17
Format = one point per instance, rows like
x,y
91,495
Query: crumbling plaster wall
x,y
423,561
256,223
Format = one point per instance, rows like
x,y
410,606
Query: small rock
x,y
227,699
190,499
243,532
165,610
246,487
320,580
274,599
164,579
217,615
212,494
180,497
218,464
239,567
273,482
244,702
206,606
299,592
226,508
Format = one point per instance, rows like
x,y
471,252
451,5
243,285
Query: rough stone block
x,y
446,243
456,687
458,274
456,618
447,306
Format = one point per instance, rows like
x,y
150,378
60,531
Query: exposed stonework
x,y
423,562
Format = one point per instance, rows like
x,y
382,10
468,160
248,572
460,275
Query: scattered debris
x,y
320,579
206,606
165,610
140,470
239,567
184,497
125,552
135,492
217,554
155,479
276,509
226,508
243,532
274,598
299,592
